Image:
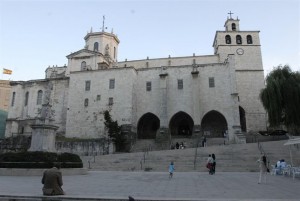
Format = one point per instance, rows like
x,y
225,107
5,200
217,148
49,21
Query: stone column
x,y
43,138
163,132
43,133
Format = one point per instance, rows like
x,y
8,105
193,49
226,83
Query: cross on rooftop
x,y
230,13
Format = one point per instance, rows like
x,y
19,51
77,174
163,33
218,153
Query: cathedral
x,y
197,95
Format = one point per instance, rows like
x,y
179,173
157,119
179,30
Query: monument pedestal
x,y
43,138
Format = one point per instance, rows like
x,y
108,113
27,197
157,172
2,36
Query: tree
x,y
281,97
114,131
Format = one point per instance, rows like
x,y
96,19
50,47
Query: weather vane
x,y
103,23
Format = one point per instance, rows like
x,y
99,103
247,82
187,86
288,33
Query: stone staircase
x,y
230,158
276,150
143,145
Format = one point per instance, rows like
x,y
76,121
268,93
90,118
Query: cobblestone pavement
x,y
158,186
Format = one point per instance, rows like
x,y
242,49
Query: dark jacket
x,y
52,181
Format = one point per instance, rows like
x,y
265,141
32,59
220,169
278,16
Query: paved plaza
x,y
106,185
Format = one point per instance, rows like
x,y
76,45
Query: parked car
x,y
272,132
264,133
278,132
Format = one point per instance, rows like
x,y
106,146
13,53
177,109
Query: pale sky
x,y
36,34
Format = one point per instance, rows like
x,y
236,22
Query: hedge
x,y
39,160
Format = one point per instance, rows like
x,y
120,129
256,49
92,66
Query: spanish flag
x,y
7,71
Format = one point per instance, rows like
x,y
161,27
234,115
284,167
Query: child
x,y
171,169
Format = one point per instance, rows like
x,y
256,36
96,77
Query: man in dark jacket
x,y
52,180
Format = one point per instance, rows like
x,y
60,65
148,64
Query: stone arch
x,y
181,124
249,39
96,46
214,124
239,39
228,39
233,26
243,119
148,125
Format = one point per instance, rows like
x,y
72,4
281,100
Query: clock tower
x,y
245,45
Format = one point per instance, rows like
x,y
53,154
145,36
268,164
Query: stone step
x,y
235,157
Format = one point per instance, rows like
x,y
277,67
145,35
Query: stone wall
x,y
84,148
88,121
21,116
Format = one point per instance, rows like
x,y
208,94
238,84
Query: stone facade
x,y
5,91
151,98
23,113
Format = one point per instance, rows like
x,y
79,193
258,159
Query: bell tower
x,y
104,43
232,24
244,44
246,48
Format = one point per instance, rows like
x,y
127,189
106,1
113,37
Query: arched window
x,y
13,98
106,50
26,98
238,39
86,102
228,39
39,97
114,52
83,65
249,39
96,46
233,27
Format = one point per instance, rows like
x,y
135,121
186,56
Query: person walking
x,y
209,163
204,142
52,180
262,168
171,169
214,164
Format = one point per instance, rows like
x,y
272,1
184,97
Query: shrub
x,y
39,159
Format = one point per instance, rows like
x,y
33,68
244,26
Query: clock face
x,y
240,51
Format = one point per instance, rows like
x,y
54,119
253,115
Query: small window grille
x,y
180,84
148,86
110,101
86,102
98,97
111,83
87,85
211,82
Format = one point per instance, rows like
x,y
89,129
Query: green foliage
x,y
114,132
3,117
39,159
74,139
281,97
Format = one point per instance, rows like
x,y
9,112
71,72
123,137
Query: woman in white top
x,y
262,168
209,164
